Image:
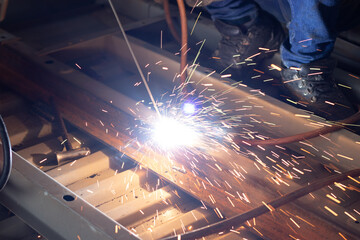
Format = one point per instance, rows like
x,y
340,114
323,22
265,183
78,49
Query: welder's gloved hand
x,y
200,3
242,41
313,85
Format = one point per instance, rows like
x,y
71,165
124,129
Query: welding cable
x,y
184,40
184,34
302,136
7,155
236,221
170,22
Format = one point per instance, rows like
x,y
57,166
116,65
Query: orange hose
x,y
184,38
184,34
170,22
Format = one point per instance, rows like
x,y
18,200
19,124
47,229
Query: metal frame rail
x,y
22,70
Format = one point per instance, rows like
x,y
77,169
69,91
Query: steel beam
x,y
54,211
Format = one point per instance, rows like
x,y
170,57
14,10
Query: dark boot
x,y
313,85
242,42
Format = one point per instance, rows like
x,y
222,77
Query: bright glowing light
x,y
169,133
189,108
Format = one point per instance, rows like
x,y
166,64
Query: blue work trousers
x,y
311,23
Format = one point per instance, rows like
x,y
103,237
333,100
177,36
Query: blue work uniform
x,y
312,24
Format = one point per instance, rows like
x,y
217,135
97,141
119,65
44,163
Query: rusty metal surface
x,y
83,109
114,185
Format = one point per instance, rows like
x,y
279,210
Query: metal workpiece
x,y
14,228
91,79
87,166
72,154
54,211
21,134
82,102
113,184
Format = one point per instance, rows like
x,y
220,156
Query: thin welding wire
x,y
237,220
302,136
134,57
170,22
